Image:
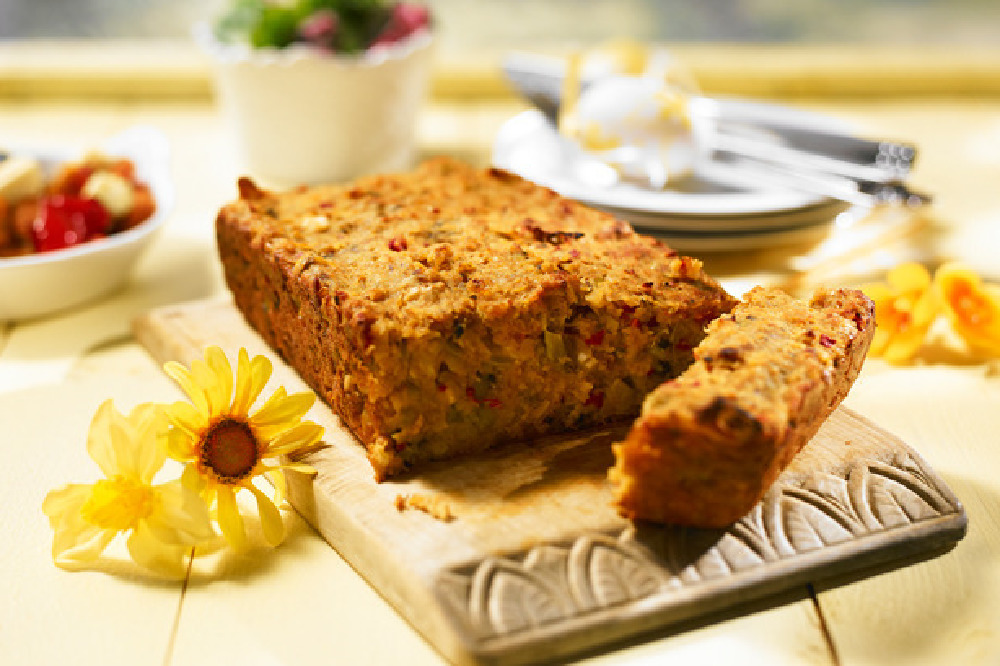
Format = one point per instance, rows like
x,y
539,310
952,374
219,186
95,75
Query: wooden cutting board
x,y
516,555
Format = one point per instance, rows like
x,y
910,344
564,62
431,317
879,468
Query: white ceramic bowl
x,y
48,282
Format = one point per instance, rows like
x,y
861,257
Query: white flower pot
x,y
301,116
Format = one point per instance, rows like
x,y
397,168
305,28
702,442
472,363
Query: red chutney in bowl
x,y
85,200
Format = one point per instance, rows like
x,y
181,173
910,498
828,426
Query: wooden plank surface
x,y
53,616
945,611
535,564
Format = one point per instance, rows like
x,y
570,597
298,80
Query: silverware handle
x,y
860,159
741,169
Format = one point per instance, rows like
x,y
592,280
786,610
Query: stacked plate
x,y
699,213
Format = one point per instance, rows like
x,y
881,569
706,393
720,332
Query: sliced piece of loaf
x,y
709,443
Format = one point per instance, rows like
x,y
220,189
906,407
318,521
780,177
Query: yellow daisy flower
x,y
972,306
905,308
226,448
163,521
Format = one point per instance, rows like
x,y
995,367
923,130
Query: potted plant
x,y
321,90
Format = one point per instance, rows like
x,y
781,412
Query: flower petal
x,y
182,516
244,381
99,440
877,291
186,381
279,394
909,276
301,468
204,377
149,446
186,417
72,550
181,446
880,341
252,376
902,347
150,553
282,410
193,480
926,309
270,518
221,388
973,308
230,520
906,340
126,449
300,436
65,501
277,479
147,416
75,541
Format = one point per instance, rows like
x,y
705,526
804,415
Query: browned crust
x,y
448,309
710,443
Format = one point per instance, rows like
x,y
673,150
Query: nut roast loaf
x,y
447,309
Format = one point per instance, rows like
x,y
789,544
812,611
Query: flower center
x,y
229,449
969,306
118,503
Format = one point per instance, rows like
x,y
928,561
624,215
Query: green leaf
x,y
275,28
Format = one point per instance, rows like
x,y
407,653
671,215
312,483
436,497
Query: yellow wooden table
x,y
301,603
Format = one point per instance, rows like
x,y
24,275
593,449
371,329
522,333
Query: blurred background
x,y
479,24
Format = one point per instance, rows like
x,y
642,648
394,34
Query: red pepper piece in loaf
x,y
709,443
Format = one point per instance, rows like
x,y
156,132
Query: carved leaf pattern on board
x,y
548,584
605,572
509,597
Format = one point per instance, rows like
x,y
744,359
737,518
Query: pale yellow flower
x,y
972,306
905,308
226,448
163,521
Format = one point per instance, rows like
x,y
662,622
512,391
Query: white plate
x,y
713,225
47,282
804,236
529,146
809,229
752,239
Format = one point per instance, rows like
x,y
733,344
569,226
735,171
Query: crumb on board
x,y
434,506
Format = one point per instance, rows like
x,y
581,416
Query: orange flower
x,y
972,306
905,308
